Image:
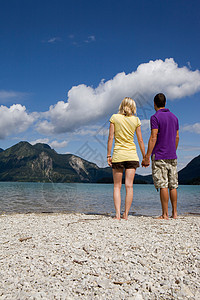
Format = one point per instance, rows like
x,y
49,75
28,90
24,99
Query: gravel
x,y
77,256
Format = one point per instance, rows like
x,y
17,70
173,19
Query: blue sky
x,y
66,65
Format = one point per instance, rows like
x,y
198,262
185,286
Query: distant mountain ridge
x,y
40,163
191,173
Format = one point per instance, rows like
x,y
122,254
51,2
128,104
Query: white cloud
x,y
56,144
79,42
54,39
86,104
189,65
6,96
194,128
91,38
53,144
14,119
92,130
145,125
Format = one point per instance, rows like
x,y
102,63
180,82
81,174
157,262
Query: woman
x,y
123,126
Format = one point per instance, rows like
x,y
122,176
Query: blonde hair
x,y
127,107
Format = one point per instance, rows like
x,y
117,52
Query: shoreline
x,y
106,214
89,256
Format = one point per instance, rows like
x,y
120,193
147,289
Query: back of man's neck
x,y
158,108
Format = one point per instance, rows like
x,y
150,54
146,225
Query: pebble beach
x,y
78,256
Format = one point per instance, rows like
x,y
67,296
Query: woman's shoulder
x,y
112,118
134,117
118,115
136,120
115,116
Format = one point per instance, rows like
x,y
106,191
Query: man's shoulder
x,y
172,114
154,116
172,117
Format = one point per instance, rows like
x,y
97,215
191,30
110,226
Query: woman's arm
x,y
140,140
110,142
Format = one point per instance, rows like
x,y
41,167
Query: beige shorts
x,y
164,173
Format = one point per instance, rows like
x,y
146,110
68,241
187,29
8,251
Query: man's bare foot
x,y
163,217
124,217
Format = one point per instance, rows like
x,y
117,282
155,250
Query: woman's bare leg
x,y
129,177
117,178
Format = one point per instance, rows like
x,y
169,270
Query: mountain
x,y
1,150
191,173
40,163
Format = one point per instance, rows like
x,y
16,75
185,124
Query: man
x,y
162,146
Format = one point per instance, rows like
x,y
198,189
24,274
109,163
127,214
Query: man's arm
x,y
151,145
177,139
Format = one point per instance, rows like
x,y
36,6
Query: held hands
x,y
109,160
146,162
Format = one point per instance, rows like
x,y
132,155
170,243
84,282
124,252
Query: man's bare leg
x,y
173,198
129,177
164,198
117,178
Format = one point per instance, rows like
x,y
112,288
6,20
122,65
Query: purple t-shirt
x,y
167,125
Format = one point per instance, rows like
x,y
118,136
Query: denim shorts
x,y
132,164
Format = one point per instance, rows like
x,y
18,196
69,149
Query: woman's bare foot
x,y
125,217
116,218
163,217
174,216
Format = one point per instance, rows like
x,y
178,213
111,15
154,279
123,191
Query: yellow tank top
x,y
124,149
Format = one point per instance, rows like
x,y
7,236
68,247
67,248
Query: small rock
x,y
105,283
197,295
187,291
138,296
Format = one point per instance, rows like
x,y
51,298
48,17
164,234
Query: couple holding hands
x,y
162,146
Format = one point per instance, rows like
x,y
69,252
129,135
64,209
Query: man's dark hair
x,y
160,100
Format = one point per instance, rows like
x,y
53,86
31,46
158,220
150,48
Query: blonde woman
x,y
123,125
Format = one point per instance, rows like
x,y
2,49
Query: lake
x,y
22,197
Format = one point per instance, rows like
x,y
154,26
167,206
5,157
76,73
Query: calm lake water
x,y
24,197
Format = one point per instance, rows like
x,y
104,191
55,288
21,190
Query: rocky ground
x,y
77,256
